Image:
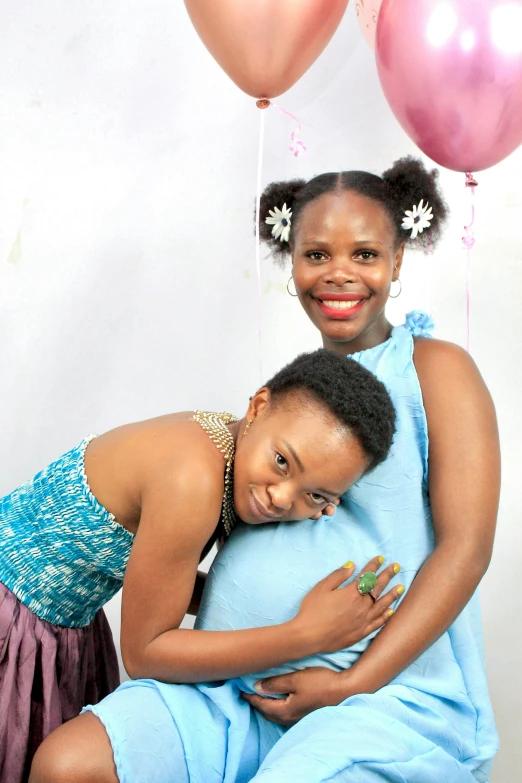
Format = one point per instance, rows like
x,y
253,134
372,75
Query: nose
x,y
340,270
281,496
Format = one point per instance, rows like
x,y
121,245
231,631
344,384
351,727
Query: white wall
x,y
127,275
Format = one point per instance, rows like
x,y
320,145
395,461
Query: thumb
x,y
282,684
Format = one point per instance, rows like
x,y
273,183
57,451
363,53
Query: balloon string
x,y
468,241
468,299
258,241
430,274
297,147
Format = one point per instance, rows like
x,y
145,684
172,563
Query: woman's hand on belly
x,y
304,692
334,617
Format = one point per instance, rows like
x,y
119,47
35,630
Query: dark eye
x,y
316,255
280,461
318,499
366,255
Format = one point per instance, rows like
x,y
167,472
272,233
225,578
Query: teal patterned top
x,y
61,553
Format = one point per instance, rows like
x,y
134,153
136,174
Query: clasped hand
x,y
304,692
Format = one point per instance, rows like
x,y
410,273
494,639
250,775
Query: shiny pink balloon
x,y
451,71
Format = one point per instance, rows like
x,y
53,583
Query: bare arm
x,y
159,584
464,486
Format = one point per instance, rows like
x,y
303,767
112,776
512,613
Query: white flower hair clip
x,y
418,219
280,220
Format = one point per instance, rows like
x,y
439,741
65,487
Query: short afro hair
x,y
347,390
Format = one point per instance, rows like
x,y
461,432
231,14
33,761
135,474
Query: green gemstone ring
x,y
366,584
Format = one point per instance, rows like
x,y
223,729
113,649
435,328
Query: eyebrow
x,y
302,469
294,455
312,241
368,242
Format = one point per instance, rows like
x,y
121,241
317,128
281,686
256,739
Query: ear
x,y
259,404
399,256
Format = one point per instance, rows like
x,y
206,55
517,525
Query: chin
x,y
340,333
242,509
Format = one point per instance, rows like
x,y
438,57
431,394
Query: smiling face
x,y
344,259
294,460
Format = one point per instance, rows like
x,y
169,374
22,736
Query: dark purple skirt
x,y
47,674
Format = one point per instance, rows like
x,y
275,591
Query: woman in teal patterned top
x,y
141,505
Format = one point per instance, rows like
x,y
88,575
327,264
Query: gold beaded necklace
x,y
215,425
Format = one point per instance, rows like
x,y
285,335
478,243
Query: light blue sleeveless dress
x,y
433,722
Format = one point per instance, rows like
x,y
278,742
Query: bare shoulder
x,y
182,489
452,387
178,454
430,355
166,465
443,367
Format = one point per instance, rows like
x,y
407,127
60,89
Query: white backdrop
x,y
127,273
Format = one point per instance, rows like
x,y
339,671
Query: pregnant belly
x,y
261,575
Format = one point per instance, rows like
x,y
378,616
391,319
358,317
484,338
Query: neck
x,y
236,427
375,334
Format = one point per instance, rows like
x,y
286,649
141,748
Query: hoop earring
x,y
400,289
249,424
288,287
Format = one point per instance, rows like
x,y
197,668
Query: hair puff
x,y
400,188
276,195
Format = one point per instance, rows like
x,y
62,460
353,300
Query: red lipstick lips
x,y
340,307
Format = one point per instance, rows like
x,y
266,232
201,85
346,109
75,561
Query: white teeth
x,y
340,305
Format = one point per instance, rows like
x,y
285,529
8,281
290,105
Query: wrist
x,y
303,642
351,682
341,687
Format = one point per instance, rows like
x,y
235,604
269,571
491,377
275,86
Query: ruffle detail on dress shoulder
x,y
419,323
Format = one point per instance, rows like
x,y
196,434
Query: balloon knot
x,y
263,103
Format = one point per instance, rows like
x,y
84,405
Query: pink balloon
x,y
265,46
451,71
367,14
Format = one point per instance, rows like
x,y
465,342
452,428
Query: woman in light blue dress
x,y
410,704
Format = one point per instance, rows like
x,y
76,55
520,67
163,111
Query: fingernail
x,y
390,612
381,559
349,564
259,686
396,568
400,589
